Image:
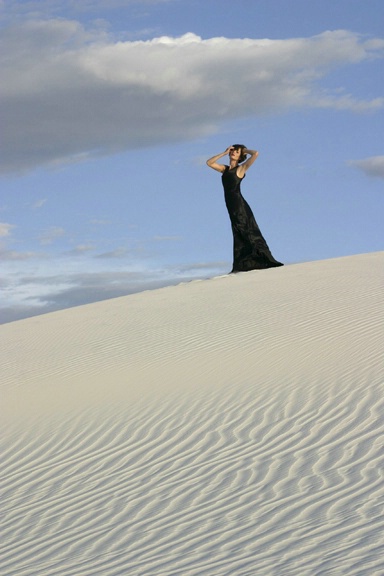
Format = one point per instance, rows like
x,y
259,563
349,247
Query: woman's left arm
x,y
253,154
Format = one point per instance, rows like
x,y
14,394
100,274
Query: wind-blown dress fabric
x,y
250,250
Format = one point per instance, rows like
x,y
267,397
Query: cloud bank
x,y
69,93
38,291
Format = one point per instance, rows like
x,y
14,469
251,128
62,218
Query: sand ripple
x,y
269,462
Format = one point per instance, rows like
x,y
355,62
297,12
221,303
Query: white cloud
x,y
50,235
5,229
39,203
373,166
80,250
13,255
68,93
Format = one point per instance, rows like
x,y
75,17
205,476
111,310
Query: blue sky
x,y
110,108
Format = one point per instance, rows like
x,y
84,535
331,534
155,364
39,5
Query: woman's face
x,y
235,154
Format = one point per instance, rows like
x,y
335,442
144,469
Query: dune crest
x,y
231,426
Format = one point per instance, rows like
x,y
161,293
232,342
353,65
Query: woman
x,y
250,250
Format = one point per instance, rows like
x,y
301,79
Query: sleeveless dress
x,y
250,250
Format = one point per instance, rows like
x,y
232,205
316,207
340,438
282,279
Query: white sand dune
x,y
231,426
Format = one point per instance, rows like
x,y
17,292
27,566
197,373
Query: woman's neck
x,y
233,164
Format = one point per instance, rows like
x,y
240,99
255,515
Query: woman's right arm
x,y
212,162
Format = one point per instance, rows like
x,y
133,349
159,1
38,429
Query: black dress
x,y
250,250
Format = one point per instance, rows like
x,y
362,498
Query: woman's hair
x,y
242,156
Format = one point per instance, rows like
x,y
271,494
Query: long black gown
x,y
250,250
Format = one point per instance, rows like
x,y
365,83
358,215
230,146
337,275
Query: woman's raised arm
x,y
212,162
253,154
